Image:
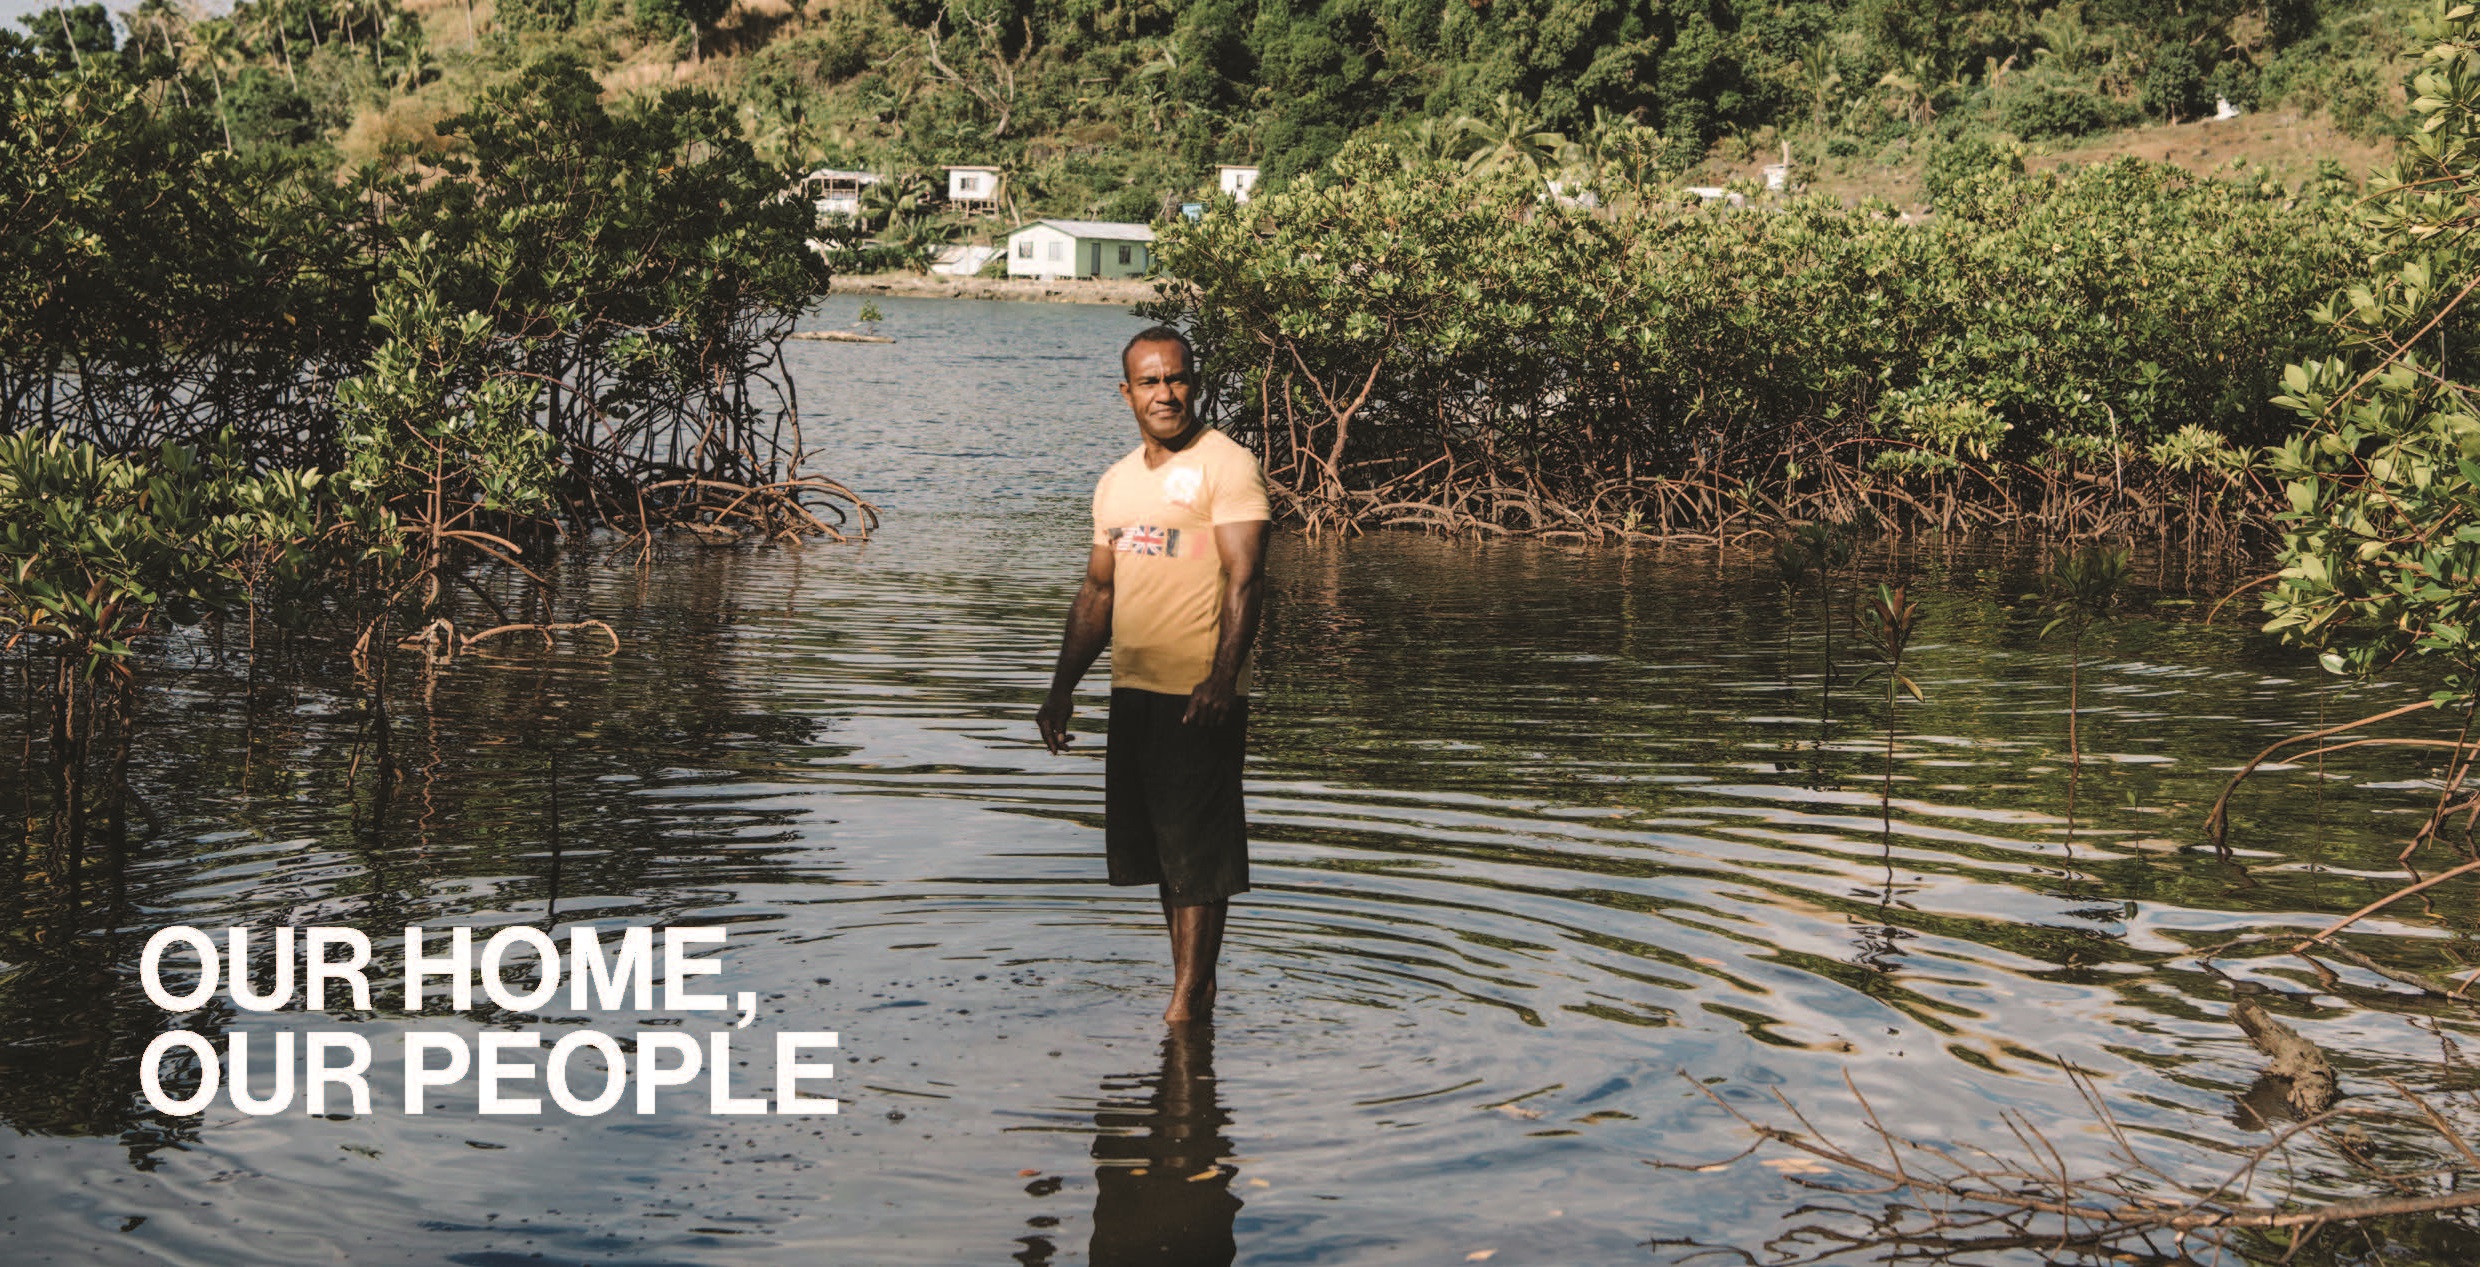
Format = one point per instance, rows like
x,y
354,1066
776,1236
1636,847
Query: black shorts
x,y
1172,799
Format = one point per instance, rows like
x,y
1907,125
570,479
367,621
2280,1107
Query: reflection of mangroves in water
x,y
2086,349
495,770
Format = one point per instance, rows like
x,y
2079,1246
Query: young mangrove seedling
x,y
1822,548
1794,561
1884,623
2080,587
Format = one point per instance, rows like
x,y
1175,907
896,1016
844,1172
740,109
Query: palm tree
x,y
1819,77
403,57
895,199
2066,39
69,37
266,16
1594,150
157,22
1428,140
1510,137
215,48
1916,84
1155,77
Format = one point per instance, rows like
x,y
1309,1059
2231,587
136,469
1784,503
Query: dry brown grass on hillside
x,y
650,75
2286,143
407,122
451,23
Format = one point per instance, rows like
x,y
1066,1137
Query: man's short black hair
x,y
1159,334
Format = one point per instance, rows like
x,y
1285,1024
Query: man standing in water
x,y
1172,583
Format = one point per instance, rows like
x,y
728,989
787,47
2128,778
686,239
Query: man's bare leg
x,y
1197,941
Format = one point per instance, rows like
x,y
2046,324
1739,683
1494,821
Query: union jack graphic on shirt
x,y
1145,539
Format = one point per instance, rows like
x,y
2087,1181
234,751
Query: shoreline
x,y
1015,289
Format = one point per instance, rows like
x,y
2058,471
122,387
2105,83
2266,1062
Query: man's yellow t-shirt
x,y
1167,574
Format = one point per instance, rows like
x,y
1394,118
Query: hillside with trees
x,y
1120,108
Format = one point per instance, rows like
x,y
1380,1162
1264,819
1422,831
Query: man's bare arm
x,y
1089,630
1243,547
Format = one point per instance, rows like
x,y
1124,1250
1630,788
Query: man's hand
x,y
1211,703
1052,719
1089,629
1242,548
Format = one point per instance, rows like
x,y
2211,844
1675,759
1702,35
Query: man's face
x,y
1159,387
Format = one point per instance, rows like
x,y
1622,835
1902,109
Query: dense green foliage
x,y
2086,346
2379,532
569,314
1072,95
624,274
98,544
1121,110
233,386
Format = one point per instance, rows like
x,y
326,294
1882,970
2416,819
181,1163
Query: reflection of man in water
x,y
1172,583
1163,1196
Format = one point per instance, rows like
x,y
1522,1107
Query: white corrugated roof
x,y
1105,229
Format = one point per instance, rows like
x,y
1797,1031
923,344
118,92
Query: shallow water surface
x,y
1536,831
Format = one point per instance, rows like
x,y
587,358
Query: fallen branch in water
x,y
2206,956
2357,959
2218,819
2404,892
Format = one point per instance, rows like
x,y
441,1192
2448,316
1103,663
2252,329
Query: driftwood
x,y
2290,1057
838,336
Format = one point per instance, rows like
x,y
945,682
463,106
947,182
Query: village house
x,y
1080,248
1236,182
836,193
973,189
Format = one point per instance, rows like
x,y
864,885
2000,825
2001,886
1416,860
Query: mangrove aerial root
x,y
441,640
776,510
